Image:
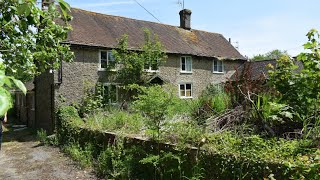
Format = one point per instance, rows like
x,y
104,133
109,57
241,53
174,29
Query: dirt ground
x,y
23,157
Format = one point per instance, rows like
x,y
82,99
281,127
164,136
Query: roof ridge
x,y
102,14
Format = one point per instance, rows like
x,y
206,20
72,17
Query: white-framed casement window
x,y
110,93
185,90
186,64
106,60
218,66
152,67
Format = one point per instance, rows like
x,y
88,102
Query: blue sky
x,y
258,26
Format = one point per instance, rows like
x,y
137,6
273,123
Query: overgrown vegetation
x,y
132,63
30,43
249,128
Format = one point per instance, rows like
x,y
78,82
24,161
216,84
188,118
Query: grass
x,y
79,154
116,121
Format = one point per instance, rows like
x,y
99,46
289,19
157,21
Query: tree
x,y
133,62
300,89
30,42
274,54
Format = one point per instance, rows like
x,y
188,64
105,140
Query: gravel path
x,y
22,157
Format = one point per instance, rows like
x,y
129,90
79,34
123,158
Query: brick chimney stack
x,y
185,19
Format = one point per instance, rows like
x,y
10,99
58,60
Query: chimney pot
x,y
185,19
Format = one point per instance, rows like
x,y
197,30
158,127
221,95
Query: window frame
x,y
107,60
108,85
186,71
150,68
222,65
185,90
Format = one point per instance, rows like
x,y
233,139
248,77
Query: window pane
x,y
188,90
110,56
188,86
154,67
104,63
188,93
183,63
220,68
113,94
146,66
103,59
103,55
182,90
189,64
215,66
111,60
110,94
189,67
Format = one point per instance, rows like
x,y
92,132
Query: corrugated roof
x,y
95,29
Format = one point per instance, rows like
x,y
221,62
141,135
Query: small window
x,y
218,66
110,93
185,90
186,64
107,60
152,67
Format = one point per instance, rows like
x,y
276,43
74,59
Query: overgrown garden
x,y
244,129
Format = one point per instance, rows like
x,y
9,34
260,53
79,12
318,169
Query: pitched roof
x,y
94,29
260,69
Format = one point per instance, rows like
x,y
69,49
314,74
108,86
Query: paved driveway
x,y
22,157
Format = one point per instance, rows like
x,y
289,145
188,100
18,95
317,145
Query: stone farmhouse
x,y
195,60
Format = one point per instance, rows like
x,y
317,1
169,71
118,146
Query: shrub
x,y
213,101
79,154
42,135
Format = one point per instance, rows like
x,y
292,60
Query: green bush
x,y
79,154
213,101
221,155
42,135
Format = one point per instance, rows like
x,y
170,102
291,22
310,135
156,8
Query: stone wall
x,y
202,74
44,101
83,72
78,75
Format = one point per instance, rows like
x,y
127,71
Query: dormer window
x,y
186,64
218,66
106,60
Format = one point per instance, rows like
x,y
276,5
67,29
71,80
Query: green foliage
x,y
155,103
116,121
42,135
92,99
213,101
222,155
132,63
30,43
115,162
274,54
183,133
31,40
300,89
79,154
7,83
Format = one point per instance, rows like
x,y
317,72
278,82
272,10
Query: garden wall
x,y
182,163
